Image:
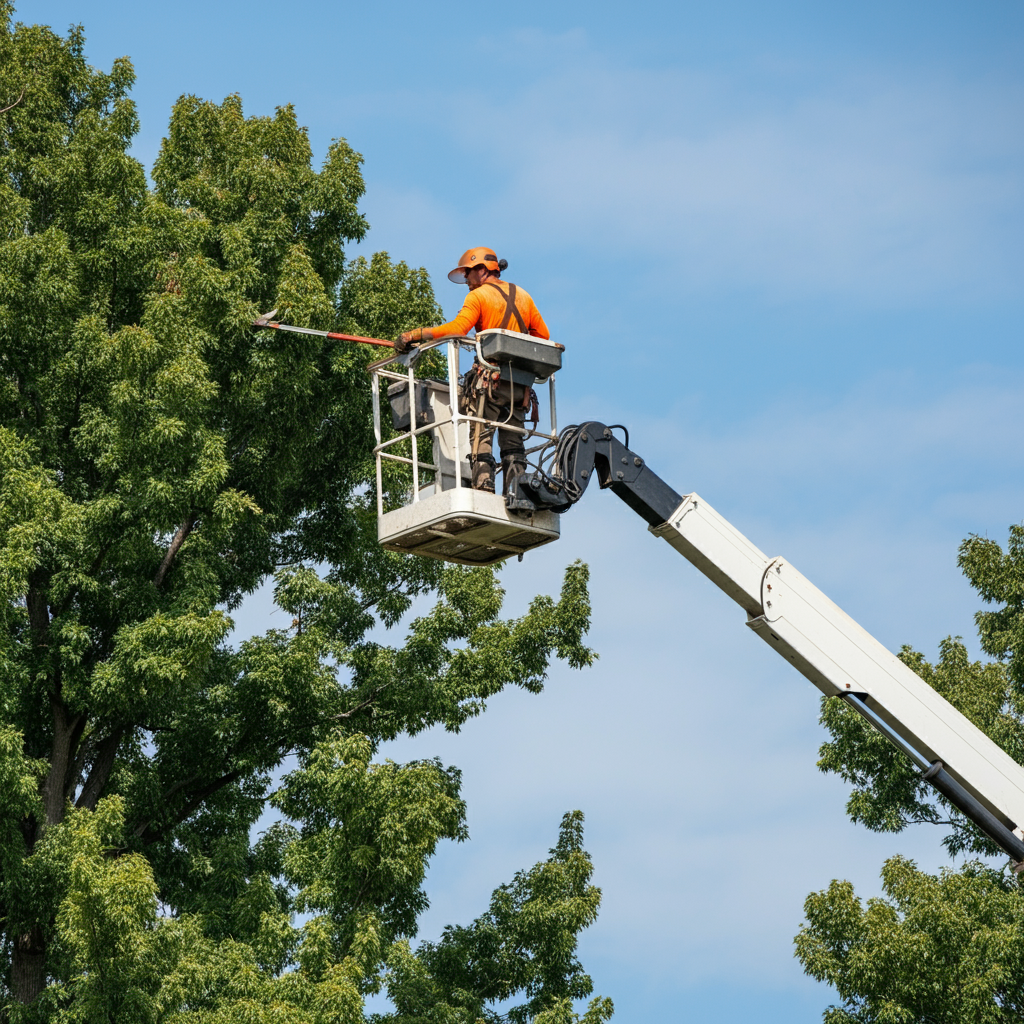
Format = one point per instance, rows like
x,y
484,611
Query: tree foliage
x,y
946,948
159,461
525,943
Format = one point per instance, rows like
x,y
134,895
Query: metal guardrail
x,y
383,370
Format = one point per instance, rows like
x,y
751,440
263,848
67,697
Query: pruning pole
x,y
265,323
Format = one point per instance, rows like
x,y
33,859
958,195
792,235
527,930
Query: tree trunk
x,y
28,955
28,977
66,732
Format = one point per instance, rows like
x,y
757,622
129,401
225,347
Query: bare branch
x,y
179,538
15,103
372,699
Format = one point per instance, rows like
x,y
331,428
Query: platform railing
x,y
383,371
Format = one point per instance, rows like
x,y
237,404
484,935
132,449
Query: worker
x,y
491,302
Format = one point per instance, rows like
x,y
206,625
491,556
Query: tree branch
x,y
372,699
97,564
368,604
101,769
38,612
53,789
179,538
15,103
177,788
113,295
143,831
74,766
193,804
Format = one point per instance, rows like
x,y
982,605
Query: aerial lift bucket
x,y
439,515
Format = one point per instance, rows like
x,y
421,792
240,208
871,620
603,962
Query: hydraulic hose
x,y
582,451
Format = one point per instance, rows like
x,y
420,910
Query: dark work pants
x,y
510,443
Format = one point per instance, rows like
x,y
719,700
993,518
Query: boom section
x,y
810,631
842,659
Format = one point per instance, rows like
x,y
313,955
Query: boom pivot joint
x,y
583,451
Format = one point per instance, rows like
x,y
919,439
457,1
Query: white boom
x,y
796,619
842,659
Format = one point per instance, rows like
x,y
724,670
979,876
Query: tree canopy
x,y
946,948
159,461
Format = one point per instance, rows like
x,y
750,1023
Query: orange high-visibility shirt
x,y
496,304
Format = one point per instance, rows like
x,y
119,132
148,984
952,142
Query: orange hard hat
x,y
473,258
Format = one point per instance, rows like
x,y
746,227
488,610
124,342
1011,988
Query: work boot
x,y
513,472
483,468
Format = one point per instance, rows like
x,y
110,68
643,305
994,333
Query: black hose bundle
x,y
564,462
566,477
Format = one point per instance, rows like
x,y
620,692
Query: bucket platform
x,y
425,504
467,526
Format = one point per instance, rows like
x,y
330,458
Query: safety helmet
x,y
473,258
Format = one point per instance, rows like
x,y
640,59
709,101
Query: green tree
x,y
525,943
946,948
158,462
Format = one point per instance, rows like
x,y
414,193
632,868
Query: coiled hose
x,y
564,456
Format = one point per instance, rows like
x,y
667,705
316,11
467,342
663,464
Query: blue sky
x,y
784,243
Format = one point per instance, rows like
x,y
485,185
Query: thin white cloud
x,y
789,181
840,197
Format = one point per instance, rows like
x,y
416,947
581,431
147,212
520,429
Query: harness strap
x,y
510,307
530,399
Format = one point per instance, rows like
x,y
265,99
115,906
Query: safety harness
x,y
511,310
480,382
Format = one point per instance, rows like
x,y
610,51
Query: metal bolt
x,y
584,473
637,461
584,437
620,474
624,460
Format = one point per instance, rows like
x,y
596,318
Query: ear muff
x,y
503,264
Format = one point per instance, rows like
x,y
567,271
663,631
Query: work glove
x,y
405,341
412,338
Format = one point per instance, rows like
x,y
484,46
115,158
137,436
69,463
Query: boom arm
x,y
798,621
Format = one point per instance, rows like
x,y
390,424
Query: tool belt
x,y
479,379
